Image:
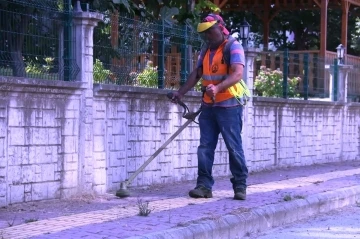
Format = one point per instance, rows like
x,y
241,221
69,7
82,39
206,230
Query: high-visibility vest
x,y
215,73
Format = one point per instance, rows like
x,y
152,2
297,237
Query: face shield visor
x,y
203,27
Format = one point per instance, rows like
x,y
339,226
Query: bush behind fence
x,y
130,50
36,40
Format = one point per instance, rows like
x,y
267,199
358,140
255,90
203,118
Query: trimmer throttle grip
x,y
170,95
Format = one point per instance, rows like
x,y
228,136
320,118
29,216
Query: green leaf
x,y
125,3
167,13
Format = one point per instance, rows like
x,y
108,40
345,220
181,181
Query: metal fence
x,y
130,50
36,39
292,74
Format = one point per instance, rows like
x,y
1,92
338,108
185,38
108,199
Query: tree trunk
x,y
17,63
16,41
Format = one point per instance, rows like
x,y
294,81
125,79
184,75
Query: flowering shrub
x,y
100,73
149,76
269,83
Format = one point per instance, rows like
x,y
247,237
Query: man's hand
x,y
212,90
176,97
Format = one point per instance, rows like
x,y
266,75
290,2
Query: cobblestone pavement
x,y
109,217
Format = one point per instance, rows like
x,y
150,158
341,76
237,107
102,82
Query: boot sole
x,y
195,195
239,197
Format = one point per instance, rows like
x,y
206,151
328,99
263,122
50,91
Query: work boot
x,y
239,194
200,192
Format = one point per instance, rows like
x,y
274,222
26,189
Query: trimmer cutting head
x,y
123,191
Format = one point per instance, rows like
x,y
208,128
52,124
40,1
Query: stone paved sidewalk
x,y
110,217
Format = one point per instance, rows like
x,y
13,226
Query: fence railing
x,y
308,69
36,39
304,71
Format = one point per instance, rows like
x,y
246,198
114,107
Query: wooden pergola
x,y
266,10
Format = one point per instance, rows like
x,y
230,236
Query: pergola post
x,y
323,27
345,5
266,25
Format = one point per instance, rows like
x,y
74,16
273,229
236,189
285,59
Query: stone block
x,y
99,144
49,118
39,136
70,166
71,114
68,192
54,136
3,128
116,174
57,176
99,127
28,173
70,127
17,136
101,189
14,175
3,189
17,193
39,191
53,190
47,172
28,197
99,176
16,117
100,164
70,179
70,144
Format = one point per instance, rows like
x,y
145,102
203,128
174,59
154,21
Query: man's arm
x,y
231,80
193,78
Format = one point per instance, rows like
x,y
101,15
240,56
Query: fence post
x,y
339,81
285,73
161,56
335,80
306,76
184,58
67,40
84,24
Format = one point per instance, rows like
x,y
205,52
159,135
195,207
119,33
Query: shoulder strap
x,y
226,50
204,49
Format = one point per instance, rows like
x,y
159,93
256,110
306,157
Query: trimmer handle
x,y
170,95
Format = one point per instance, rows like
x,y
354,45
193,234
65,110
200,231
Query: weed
x,y
11,223
143,208
182,224
287,198
299,197
318,182
31,220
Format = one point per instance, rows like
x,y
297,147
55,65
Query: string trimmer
x,y
190,116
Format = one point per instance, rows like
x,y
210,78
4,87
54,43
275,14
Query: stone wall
x,y
43,151
39,139
59,139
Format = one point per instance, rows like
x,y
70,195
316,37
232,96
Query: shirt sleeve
x,y
200,58
237,55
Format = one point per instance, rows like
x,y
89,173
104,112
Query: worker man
x,y
221,110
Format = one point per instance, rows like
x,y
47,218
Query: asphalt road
x,y
340,224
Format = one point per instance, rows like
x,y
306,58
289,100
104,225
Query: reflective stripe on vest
x,y
215,73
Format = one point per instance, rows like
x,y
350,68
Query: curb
x,y
238,225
